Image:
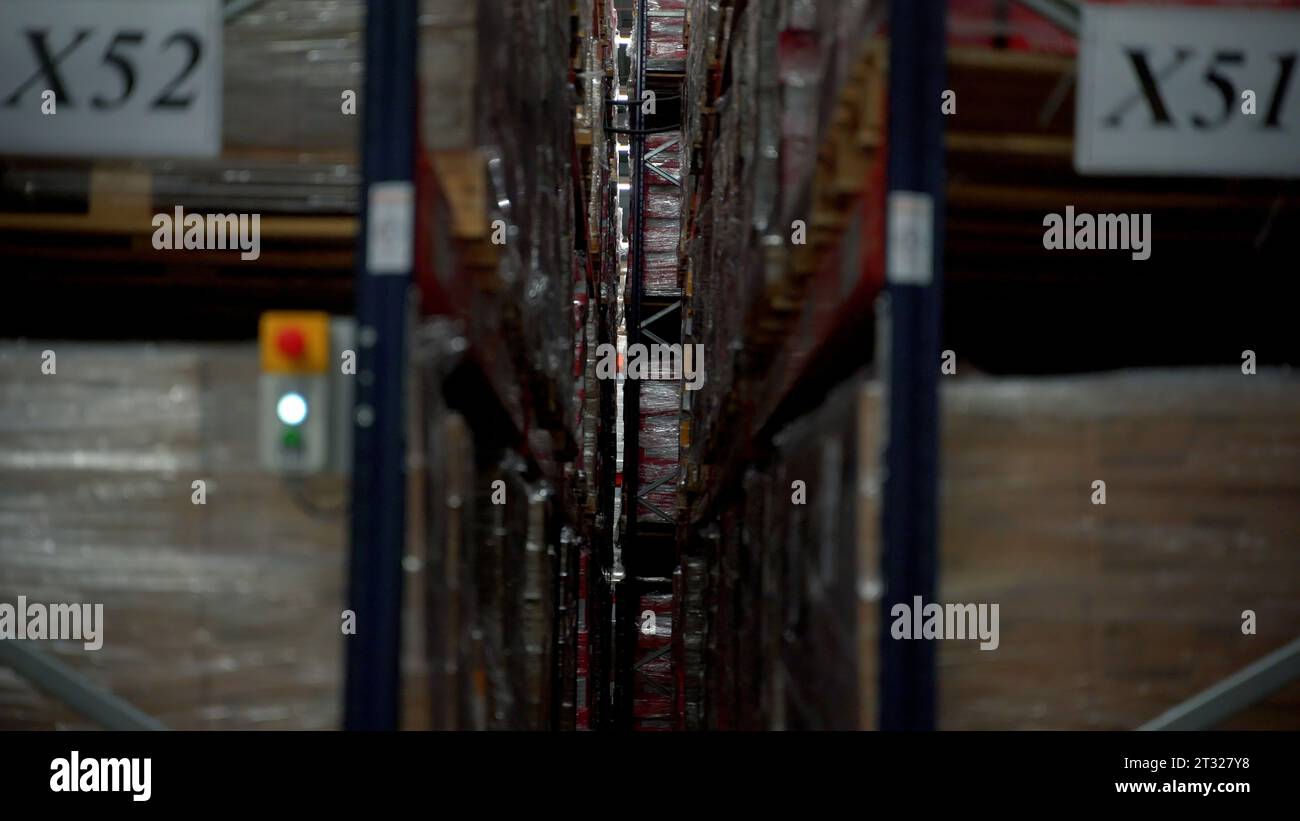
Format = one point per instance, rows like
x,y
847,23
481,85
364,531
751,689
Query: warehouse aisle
x,y
650,365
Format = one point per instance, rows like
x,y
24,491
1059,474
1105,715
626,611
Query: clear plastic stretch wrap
x,y
703,23
788,61
452,60
1108,614
1111,614
667,40
653,683
504,67
501,576
591,413
220,611
588,406
582,717
660,426
663,214
818,576
294,58
690,583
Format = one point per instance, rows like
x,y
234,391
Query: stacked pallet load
x,y
645,694
662,210
665,35
782,113
502,570
661,220
506,368
1119,611
582,671
784,644
689,651
780,141
658,467
128,478
1116,611
653,693
502,155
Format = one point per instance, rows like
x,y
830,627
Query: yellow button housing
x,y
294,341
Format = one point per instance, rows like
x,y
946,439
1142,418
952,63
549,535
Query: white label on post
x,y
1188,92
110,78
390,228
910,244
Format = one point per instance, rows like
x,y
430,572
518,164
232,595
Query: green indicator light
x,y
292,438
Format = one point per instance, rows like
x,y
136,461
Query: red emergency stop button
x,y
295,342
291,342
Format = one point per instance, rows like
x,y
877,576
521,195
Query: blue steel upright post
x,y
378,526
914,267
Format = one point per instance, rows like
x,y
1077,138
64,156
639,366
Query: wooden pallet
x,y
462,176
462,179
120,202
845,158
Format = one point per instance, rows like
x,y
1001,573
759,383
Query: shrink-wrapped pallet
x,y
1108,613
666,35
659,436
221,600
652,676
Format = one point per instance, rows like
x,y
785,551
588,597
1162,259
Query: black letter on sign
x,y
165,99
1149,87
48,66
1285,65
1224,85
133,38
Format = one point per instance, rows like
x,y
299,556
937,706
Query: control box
x,y
305,392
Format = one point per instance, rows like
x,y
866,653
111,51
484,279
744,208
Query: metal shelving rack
x,y
627,594
649,545
378,525
604,301
918,48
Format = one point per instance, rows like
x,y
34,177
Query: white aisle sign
x,y
1188,92
110,77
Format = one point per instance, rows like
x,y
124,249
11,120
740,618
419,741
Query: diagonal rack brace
x,y
650,488
655,168
661,313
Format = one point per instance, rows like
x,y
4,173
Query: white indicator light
x,y
292,409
